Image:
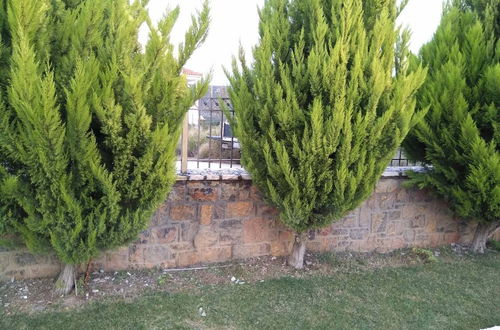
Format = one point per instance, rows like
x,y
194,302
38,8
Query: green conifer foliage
x,y
89,121
459,138
324,106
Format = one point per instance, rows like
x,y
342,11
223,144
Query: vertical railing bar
x,y
184,143
232,142
221,134
210,134
198,142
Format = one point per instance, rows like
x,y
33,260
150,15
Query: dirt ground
x,y
36,295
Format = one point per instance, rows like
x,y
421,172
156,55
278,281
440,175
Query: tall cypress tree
x,y
324,106
459,139
89,122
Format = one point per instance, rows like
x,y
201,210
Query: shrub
x,y
459,138
323,108
89,122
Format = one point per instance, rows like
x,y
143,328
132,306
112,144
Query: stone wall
x,y
207,221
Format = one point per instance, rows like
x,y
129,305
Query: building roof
x,y
189,72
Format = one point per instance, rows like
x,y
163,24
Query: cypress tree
x,y
459,139
323,107
89,122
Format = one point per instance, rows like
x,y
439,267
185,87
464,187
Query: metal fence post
x,y
184,144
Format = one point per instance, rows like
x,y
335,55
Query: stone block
x,y
230,191
418,221
206,237
386,201
255,194
244,190
312,246
393,215
135,254
206,213
230,231
188,231
256,230
25,259
155,255
395,228
349,222
379,222
202,192
323,232
117,260
216,254
409,235
402,196
451,237
188,258
219,210
340,231
330,243
161,216
178,192
182,246
182,212
239,209
251,250
387,186
285,235
280,248
357,233
164,235
365,216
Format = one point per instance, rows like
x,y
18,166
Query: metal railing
x,y
207,141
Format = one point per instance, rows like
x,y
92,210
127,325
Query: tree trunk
x,y
483,231
66,281
296,259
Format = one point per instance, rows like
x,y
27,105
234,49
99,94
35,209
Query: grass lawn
x,y
463,293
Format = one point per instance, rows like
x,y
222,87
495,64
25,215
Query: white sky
x,y
236,21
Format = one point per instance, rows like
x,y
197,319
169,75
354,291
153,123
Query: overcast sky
x,y
236,21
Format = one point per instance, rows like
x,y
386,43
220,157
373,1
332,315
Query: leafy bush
x,y
324,106
459,138
89,122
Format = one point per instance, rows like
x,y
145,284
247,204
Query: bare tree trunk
x,y
483,231
296,259
66,281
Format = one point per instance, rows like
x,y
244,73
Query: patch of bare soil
x,y
35,295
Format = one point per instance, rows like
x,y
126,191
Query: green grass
x,y
460,294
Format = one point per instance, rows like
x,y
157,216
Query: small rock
x,y
107,277
25,297
202,312
233,279
95,291
101,271
242,282
129,274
